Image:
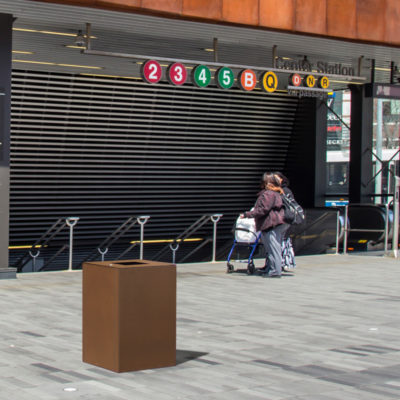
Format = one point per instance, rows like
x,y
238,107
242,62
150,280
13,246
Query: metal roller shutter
x,y
107,148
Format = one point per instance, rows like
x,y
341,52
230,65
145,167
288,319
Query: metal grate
x,y
107,148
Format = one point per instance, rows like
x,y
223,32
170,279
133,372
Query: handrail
x,y
185,234
190,231
385,230
49,235
115,235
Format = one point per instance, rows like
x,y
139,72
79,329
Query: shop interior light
x,y
71,46
22,52
348,82
57,64
49,32
382,69
209,50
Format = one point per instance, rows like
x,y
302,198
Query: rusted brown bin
x,y
129,314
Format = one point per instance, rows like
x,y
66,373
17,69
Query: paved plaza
x,y
329,331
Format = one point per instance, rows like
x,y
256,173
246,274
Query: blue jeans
x,y
272,241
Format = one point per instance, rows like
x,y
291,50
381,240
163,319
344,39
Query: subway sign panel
x,y
201,76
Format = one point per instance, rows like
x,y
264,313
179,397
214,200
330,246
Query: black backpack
x,y
293,212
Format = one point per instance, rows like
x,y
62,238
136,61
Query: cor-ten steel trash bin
x,y
129,314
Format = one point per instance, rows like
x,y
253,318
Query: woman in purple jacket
x,y
268,216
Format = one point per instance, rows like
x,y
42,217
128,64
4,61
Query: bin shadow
x,y
183,356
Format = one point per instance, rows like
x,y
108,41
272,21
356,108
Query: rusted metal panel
x,y
240,11
211,9
359,20
341,18
371,20
311,16
170,6
277,14
391,20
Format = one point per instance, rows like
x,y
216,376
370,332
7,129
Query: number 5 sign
x,y
151,71
177,74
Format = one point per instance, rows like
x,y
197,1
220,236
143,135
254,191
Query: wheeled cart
x,y
246,239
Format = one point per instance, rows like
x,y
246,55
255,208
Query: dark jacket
x,y
268,210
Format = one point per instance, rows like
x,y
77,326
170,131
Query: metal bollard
x,y
337,231
215,218
71,222
386,227
174,250
103,253
396,216
346,215
142,220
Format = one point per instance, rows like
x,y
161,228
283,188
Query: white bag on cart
x,y
245,230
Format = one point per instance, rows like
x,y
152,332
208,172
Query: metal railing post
x,y
103,253
174,250
34,256
71,222
215,218
142,220
346,215
386,227
395,240
337,230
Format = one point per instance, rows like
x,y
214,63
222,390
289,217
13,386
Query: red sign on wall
x,y
248,79
151,71
295,79
177,74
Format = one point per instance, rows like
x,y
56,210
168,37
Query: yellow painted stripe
x,y
168,240
24,247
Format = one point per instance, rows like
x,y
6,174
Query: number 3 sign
x,y
177,74
151,71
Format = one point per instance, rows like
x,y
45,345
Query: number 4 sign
x,y
201,76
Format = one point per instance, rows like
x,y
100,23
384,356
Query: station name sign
x,y
321,67
177,74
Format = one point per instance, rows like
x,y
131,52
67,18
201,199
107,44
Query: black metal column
x,y
306,161
361,170
6,22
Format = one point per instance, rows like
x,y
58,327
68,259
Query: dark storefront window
x,y
338,147
385,157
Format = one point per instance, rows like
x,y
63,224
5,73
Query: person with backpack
x,y
269,218
288,256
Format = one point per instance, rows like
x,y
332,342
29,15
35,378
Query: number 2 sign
x,y
151,71
177,74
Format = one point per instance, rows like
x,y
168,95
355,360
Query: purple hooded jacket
x,y
268,210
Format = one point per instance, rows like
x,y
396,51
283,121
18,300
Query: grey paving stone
x,y
329,332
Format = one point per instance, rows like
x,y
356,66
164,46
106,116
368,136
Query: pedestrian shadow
x,y
183,356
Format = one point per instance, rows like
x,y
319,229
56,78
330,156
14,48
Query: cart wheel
x,y
229,268
251,268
